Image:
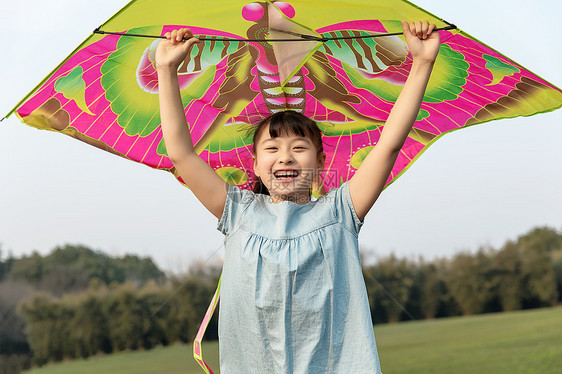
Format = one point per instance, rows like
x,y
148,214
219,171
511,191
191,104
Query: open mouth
x,y
286,174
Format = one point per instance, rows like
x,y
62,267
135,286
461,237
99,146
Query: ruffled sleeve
x,y
237,201
343,209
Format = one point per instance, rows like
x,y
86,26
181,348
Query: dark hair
x,y
288,122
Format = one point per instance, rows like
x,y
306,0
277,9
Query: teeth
x,y
286,174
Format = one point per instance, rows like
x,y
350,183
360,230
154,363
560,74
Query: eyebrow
x,y
300,138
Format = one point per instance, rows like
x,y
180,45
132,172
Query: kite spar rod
x,y
324,39
300,37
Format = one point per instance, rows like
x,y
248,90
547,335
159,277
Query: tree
x,y
126,323
509,263
47,329
5,264
15,353
558,278
474,282
388,285
539,284
28,269
545,238
435,299
89,326
140,270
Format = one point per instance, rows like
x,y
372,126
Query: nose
x,y
285,157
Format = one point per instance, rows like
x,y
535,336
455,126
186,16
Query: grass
x,y
175,359
515,342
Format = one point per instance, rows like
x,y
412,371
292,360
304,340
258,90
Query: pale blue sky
x,y
477,186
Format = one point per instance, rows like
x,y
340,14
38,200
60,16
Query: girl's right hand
x,y
173,50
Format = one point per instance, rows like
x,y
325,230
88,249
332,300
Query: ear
x,y
317,188
321,161
256,172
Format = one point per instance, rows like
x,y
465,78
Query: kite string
x,y
299,37
387,293
176,290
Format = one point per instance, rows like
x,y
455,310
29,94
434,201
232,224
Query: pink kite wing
x,y
471,83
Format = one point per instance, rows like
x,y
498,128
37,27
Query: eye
x,y
300,146
252,12
286,8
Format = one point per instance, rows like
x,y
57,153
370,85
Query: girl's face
x,y
287,166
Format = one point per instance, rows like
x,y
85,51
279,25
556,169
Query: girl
x,y
293,298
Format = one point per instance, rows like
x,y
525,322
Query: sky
x,y
475,187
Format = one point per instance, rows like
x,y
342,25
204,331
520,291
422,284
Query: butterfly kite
x,y
340,62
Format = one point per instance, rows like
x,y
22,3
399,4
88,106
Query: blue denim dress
x,y
293,298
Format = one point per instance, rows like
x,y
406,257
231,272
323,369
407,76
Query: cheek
x,y
264,163
309,159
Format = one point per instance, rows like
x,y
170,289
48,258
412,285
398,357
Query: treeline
x,y
67,269
135,306
125,317
522,274
71,268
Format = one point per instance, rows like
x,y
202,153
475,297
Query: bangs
x,y
288,123
289,126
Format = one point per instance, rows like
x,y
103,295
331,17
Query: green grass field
x,y
517,342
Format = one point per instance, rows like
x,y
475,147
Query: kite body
x,y
106,92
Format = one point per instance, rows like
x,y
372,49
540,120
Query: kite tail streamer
x,y
197,349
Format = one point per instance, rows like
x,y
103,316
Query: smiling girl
x,y
293,299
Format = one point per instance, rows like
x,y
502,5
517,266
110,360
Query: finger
x,y
173,36
418,29
431,28
424,28
180,34
186,35
168,35
405,27
410,28
195,40
189,43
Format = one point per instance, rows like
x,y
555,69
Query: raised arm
x,y
207,186
369,180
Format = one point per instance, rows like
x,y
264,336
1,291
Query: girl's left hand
x,y
422,40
